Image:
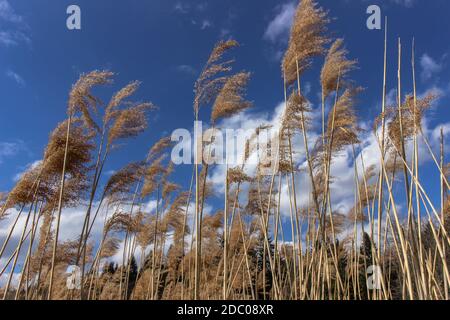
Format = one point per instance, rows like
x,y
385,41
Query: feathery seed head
x,y
111,110
307,39
230,100
209,84
129,123
82,100
336,66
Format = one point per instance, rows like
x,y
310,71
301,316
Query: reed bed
x,y
393,243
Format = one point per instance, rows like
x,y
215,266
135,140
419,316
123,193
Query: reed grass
x,y
175,250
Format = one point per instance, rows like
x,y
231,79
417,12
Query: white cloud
x,y
29,166
185,8
71,225
406,3
12,26
343,166
7,13
10,149
181,8
187,69
72,220
195,13
279,26
109,173
249,122
205,24
10,38
16,77
14,280
201,6
224,32
429,66
392,97
436,132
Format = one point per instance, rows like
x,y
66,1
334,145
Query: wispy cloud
x,y
205,24
28,167
10,149
224,32
185,8
195,13
201,6
16,77
227,25
10,38
187,69
12,26
430,67
406,3
279,26
7,13
181,8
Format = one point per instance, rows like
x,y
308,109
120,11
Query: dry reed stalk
x,y
16,256
26,265
80,100
242,252
383,128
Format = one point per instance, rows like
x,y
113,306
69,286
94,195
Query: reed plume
x,y
307,39
230,100
335,68
264,232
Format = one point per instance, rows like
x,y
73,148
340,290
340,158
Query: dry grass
x,y
176,251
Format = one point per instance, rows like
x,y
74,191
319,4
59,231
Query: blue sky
x,y
164,43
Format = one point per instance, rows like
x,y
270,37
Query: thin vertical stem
x,y
60,203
